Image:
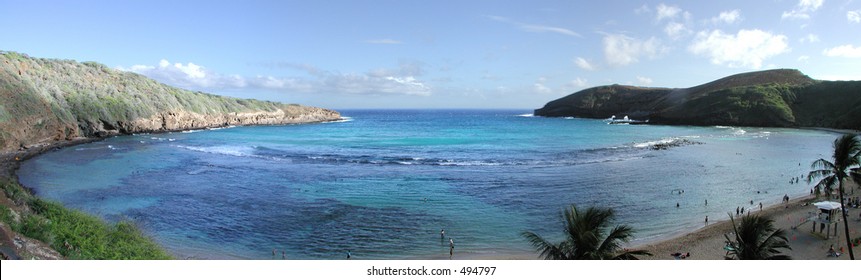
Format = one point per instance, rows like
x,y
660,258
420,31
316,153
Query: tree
x,y
585,238
757,239
847,154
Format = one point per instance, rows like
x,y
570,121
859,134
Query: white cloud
x,y
676,30
536,28
748,48
847,51
644,80
794,15
543,28
622,50
539,86
667,12
803,58
584,64
812,5
854,16
728,17
185,75
678,20
810,38
384,41
577,83
803,9
402,80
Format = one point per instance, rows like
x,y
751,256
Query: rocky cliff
x,y
43,101
783,98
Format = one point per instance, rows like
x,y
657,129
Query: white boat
x,y
625,120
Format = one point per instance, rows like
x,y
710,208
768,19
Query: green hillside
x,y
781,98
46,100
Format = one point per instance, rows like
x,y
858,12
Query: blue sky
x,y
438,54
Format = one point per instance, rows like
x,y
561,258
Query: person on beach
x,y
450,248
677,205
707,220
760,206
349,254
442,234
736,210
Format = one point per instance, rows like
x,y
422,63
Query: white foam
x,y
526,115
652,143
341,120
239,151
220,128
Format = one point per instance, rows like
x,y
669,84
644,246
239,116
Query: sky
x,y
438,54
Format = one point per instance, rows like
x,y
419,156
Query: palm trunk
x,y
845,222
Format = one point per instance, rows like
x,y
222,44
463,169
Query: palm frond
x,y
631,255
612,242
547,250
587,237
756,238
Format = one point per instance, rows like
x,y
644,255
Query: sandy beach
x,y
707,243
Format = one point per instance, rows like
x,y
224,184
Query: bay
x,y
383,183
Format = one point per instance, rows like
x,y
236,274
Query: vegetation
x,y
74,234
785,98
756,238
62,99
845,166
585,238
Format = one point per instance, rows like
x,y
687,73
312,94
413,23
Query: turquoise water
x,y
384,182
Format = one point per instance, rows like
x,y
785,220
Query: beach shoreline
x,y
706,243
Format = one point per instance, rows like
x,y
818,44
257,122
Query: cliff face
x,y
47,100
784,98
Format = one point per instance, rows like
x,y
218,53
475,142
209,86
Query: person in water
x,y
450,248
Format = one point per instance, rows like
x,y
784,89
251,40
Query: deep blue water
x,y
384,183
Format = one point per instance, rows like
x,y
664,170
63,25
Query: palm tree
x,y
757,239
847,154
585,238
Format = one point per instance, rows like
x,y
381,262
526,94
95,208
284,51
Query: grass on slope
x,y
74,234
760,105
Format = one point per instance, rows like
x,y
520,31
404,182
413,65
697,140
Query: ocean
x,y
383,183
